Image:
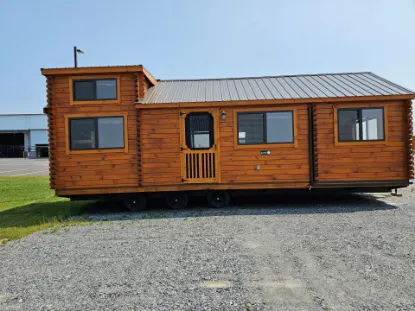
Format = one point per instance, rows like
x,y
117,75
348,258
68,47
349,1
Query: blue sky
x,y
202,39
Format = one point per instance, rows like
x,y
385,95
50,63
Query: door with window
x,y
198,145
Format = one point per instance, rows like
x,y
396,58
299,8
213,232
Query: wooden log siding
x,y
160,145
143,85
51,131
138,86
365,161
284,164
411,146
94,170
152,161
315,143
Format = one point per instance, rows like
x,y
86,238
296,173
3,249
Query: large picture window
x,y
360,124
94,89
96,133
274,127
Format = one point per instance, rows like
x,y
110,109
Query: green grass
x,y
28,205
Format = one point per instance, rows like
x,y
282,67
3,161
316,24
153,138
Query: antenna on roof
x,y
75,55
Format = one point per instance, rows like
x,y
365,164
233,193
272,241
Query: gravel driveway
x,y
303,253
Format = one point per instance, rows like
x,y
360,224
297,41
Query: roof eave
x,y
90,70
277,101
149,76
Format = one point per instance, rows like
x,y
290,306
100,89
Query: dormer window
x,y
94,89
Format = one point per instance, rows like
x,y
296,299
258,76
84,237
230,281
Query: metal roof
x,y
278,87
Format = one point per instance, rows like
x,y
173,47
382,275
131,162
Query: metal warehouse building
x,y
23,135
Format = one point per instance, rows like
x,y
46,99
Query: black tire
x,y
218,199
136,202
177,200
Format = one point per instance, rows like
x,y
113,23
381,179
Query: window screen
x,y
96,133
251,128
100,89
361,124
199,130
265,128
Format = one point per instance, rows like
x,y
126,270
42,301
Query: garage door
x,y
11,145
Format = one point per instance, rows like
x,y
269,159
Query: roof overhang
x,y
98,70
236,103
149,76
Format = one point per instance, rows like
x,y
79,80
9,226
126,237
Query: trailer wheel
x,y
218,199
135,202
177,200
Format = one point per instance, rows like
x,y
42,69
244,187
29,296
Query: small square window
x,y
106,89
84,90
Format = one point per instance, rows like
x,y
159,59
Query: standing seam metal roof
x,y
278,87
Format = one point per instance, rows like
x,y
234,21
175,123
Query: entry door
x,y
198,145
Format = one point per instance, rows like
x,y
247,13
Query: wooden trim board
x,y
361,142
206,187
94,115
94,102
90,70
266,146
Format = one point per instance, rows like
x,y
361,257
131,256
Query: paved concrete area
x,y
24,167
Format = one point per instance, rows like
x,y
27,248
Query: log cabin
x,y
118,132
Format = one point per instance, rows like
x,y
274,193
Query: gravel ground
x,y
303,253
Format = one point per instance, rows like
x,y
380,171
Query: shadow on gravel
x,y
292,203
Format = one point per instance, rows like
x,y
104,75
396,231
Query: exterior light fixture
x,y
223,115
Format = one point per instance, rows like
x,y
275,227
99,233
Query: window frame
x,y
211,132
263,111
345,107
73,79
96,116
